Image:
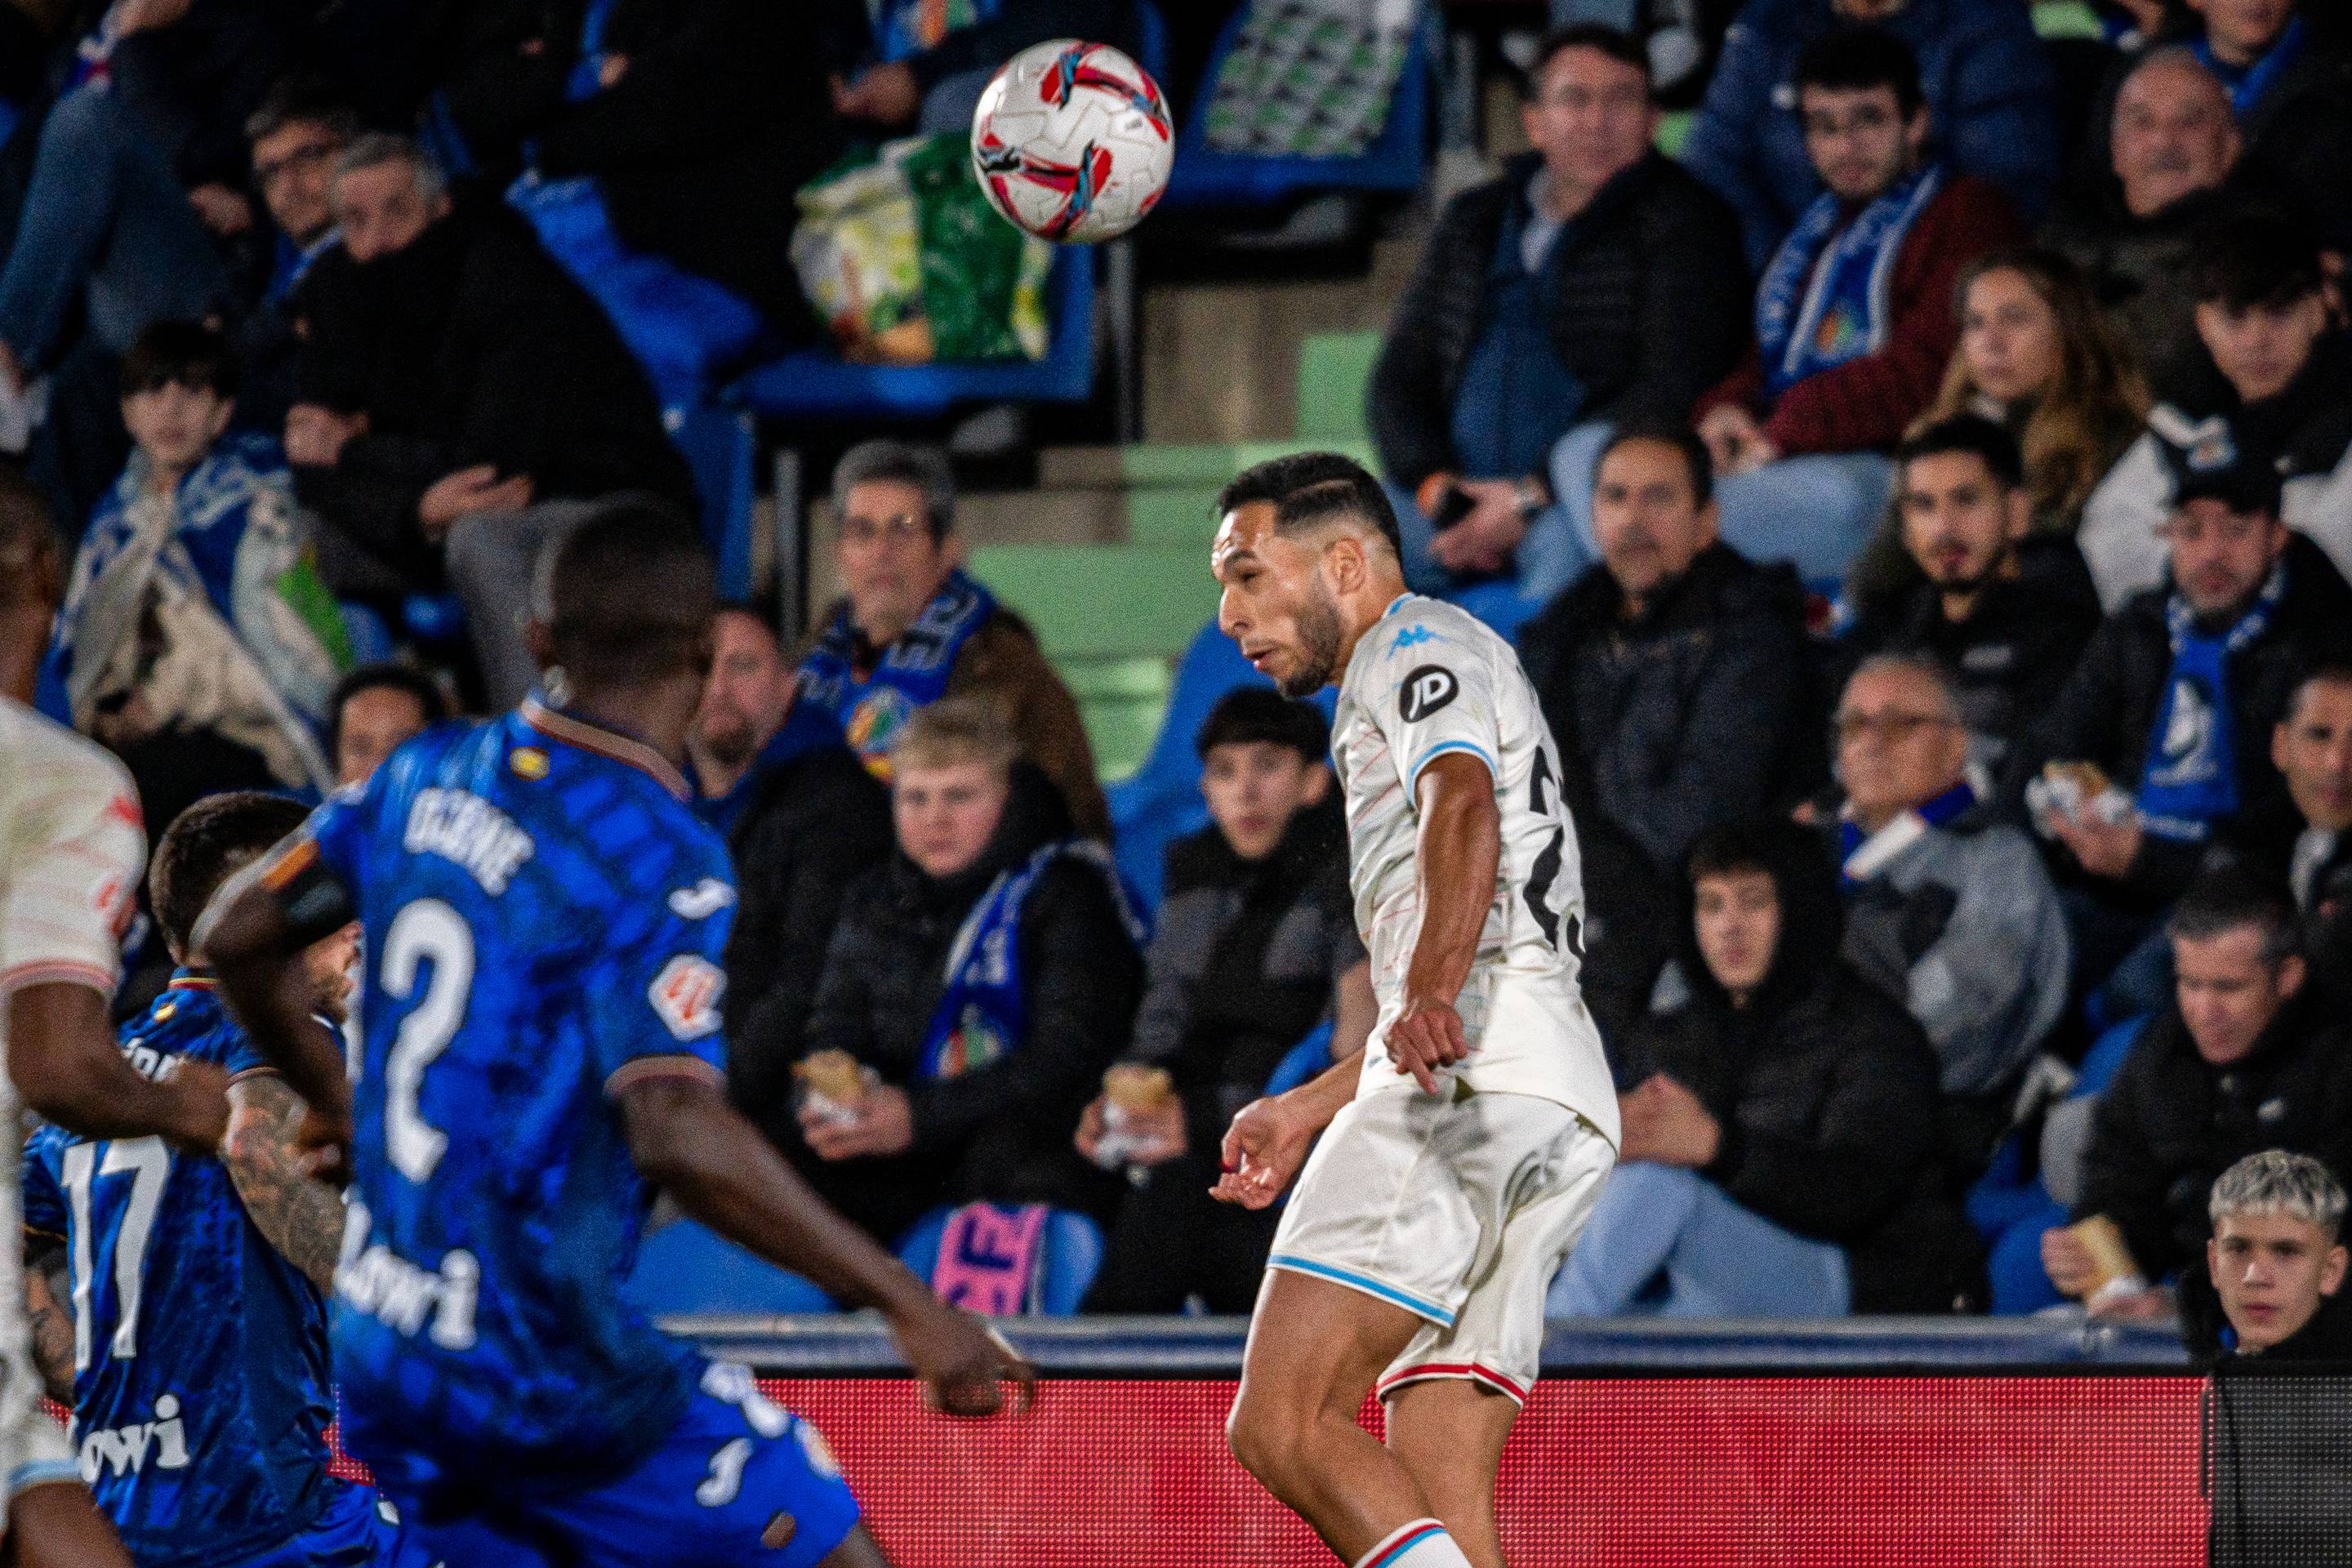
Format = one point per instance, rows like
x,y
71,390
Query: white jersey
x,y
71,849
1427,680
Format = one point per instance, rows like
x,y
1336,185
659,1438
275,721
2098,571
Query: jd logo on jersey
x,y
1426,691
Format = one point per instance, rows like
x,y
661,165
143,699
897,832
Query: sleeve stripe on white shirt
x,y
1442,747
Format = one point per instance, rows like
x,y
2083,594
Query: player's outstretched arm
x,y
295,1213
1270,1138
63,1059
253,934
49,1326
695,1146
1460,848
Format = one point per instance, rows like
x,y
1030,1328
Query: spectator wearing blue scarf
x,y
983,978
1855,322
2174,696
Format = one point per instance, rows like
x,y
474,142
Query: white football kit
x,y
1459,1206
71,849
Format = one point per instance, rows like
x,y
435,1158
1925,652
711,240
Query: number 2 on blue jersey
x,y
426,929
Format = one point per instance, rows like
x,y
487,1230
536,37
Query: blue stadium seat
x,y
814,385
1160,801
2011,1212
1074,1255
721,447
685,1267
1306,1059
1392,164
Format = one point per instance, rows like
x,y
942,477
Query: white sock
x,y
1424,1543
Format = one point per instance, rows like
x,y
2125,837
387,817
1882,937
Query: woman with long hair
x,y
2036,354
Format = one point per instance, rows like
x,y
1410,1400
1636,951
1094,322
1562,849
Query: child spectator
x,y
2275,1262
1255,943
195,639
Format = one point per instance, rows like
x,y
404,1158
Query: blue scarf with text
x,y
2192,776
913,671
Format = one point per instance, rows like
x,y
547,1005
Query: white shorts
x,y
1458,1209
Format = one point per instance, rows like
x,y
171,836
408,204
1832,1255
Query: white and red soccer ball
x,y
1072,141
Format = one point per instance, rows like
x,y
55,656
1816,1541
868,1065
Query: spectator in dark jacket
x,y
297,136
2172,146
1854,318
933,65
2239,1063
1989,91
979,1070
1594,281
2175,694
1255,944
2278,386
461,398
913,626
1673,674
2003,611
700,120
804,819
1781,1154
373,713
1948,909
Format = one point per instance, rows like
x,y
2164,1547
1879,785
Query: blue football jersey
x,y
200,1352
544,918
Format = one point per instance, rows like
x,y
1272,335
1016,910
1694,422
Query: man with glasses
x,y
1948,908
913,626
2157,743
1854,312
296,135
1594,281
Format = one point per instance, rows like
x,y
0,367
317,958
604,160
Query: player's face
x,y
1897,746
1277,605
1958,522
1253,788
946,816
2272,1270
2219,557
374,723
2313,747
748,693
1738,921
2228,991
891,566
1646,515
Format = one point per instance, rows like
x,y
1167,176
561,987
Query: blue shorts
x,y
704,1498
357,1530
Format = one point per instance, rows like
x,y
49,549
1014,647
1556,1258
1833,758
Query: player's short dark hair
x,y
628,595
1857,57
1259,713
302,98
2258,259
205,845
1614,42
924,469
179,353
2235,898
1986,440
1674,433
385,677
1310,488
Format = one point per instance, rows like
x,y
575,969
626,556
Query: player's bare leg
x,y
1449,1434
58,1526
1314,1350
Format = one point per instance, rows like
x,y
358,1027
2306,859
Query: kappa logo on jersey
x,y
1426,691
702,900
685,995
1413,637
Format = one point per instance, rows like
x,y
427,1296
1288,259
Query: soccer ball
x,y
1072,141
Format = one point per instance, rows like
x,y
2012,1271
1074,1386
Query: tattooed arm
x,y
299,1215
46,1290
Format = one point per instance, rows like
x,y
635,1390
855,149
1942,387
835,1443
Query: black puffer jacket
x,y
811,827
1825,1090
469,345
2171,1122
2108,710
2142,272
1000,1132
1701,710
1651,308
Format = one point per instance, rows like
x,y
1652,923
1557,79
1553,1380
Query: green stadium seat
x,y
1333,370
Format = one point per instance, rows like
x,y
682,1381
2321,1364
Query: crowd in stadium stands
x,y
1924,507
